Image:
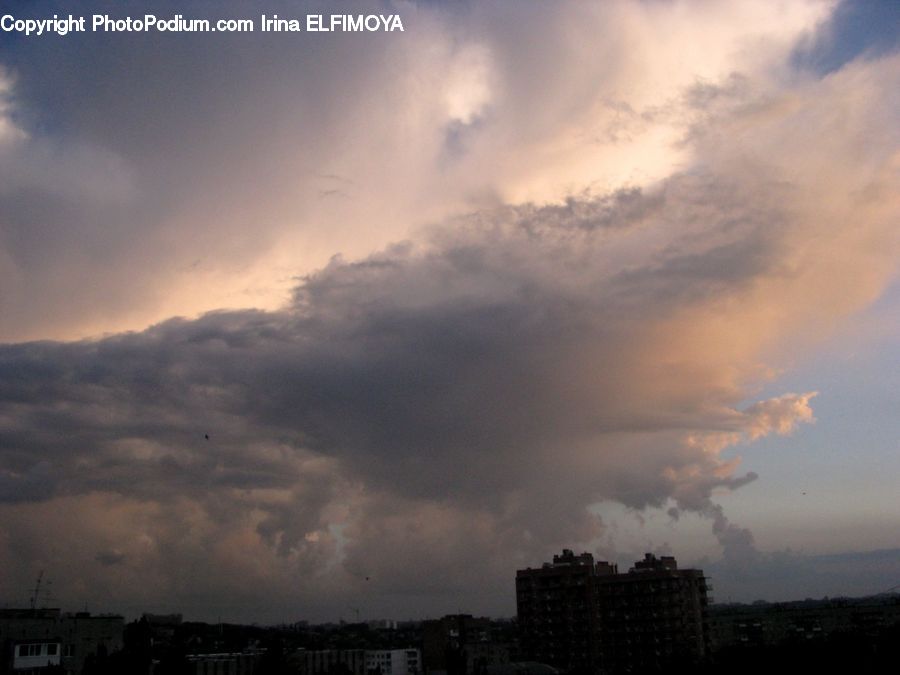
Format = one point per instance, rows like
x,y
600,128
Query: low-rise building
x,y
461,644
32,640
329,661
238,663
764,624
393,662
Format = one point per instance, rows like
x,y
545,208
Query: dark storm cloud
x,y
484,387
415,416
493,361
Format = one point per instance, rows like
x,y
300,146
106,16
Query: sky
x,y
300,325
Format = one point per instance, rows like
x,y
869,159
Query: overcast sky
x,y
295,324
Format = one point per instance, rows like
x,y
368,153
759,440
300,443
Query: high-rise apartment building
x,y
653,617
585,617
558,614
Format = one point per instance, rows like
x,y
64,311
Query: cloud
x,y
414,423
110,558
780,414
808,576
210,179
36,482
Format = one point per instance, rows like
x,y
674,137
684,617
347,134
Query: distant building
x,y
461,644
393,662
330,661
764,624
31,640
522,668
585,617
239,663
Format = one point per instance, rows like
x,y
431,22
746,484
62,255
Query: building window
x,y
69,650
30,650
51,649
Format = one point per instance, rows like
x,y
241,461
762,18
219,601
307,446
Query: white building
x,y
393,661
32,655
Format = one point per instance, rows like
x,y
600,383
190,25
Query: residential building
x,y
237,663
558,613
585,617
653,617
461,644
393,662
330,661
32,640
764,624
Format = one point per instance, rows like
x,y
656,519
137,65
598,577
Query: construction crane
x,y
37,590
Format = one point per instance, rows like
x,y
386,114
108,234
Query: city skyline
x,y
292,323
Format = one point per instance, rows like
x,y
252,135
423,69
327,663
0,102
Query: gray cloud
x,y
476,392
169,174
810,576
132,161
110,558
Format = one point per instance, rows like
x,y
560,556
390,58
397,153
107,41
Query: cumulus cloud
x,y
182,174
414,423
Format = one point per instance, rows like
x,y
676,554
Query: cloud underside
x,y
415,423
